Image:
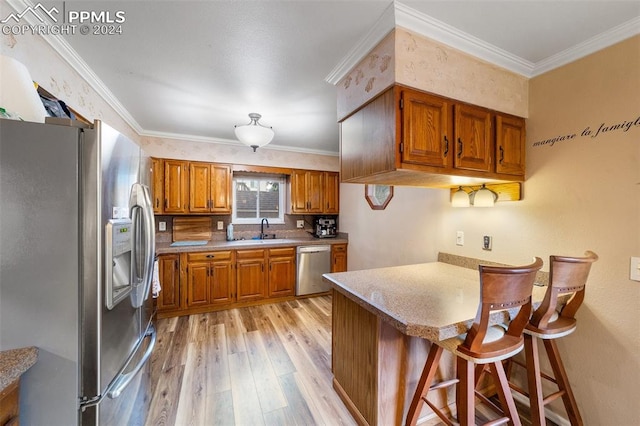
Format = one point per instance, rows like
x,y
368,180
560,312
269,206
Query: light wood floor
x,y
268,364
262,365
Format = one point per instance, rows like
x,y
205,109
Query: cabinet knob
x,y
210,256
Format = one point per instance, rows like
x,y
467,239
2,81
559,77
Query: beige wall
x,y
582,193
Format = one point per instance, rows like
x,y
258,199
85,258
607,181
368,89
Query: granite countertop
x,y
14,362
213,245
435,301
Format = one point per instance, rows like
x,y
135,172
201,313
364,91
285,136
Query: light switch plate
x,y
162,226
634,272
487,242
459,238
220,225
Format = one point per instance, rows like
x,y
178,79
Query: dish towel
x,y
155,280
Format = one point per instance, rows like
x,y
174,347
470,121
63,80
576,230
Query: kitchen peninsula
x,y
383,320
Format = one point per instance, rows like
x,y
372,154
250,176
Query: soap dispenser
x,y
230,232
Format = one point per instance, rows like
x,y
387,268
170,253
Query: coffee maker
x,y
325,227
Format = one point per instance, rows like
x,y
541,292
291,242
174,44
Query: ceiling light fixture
x,y
254,134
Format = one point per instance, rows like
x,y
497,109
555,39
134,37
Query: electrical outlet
x,y
220,225
162,226
634,273
300,224
459,238
487,241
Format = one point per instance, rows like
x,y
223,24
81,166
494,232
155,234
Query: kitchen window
x,y
256,196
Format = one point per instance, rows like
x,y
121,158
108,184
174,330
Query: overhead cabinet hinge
x,y
401,147
401,103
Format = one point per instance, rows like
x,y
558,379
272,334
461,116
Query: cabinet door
x,y
176,185
473,144
220,188
510,145
298,191
314,191
250,275
169,268
157,170
199,187
222,282
198,277
282,272
426,122
331,193
339,258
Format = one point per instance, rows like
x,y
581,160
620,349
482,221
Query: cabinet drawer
x,y
250,254
282,252
337,248
209,256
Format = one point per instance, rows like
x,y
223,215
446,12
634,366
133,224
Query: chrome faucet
x,y
262,234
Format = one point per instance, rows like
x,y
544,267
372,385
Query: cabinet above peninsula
x,y
408,137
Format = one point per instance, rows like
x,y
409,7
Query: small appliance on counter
x,y
325,227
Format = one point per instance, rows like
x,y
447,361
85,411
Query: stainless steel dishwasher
x,y
313,261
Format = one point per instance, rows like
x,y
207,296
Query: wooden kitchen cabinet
x,y
408,137
9,404
338,258
209,188
306,191
251,277
510,144
169,270
282,272
176,185
210,279
157,172
331,193
473,140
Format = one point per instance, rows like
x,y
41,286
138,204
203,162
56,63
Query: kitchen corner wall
x,y
582,193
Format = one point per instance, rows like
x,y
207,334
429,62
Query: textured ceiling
x,y
198,68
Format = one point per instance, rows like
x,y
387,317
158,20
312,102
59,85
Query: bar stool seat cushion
x,y
494,334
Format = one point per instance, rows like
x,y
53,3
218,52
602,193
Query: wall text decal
x,y
624,126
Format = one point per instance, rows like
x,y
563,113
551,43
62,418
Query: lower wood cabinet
x,y
208,281
282,272
251,274
9,404
339,258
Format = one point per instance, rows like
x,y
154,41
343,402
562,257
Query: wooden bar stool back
x,y
568,276
501,288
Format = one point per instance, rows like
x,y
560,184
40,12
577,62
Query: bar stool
x,y
483,346
568,275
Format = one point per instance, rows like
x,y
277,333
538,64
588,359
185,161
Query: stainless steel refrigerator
x,y
76,259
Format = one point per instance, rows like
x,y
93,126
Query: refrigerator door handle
x,y
120,383
140,201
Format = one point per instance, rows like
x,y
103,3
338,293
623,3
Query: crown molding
x,y
383,26
233,142
615,35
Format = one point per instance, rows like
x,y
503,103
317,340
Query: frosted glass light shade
x,y
17,92
460,198
484,197
254,134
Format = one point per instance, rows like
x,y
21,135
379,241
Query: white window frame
x,y
259,177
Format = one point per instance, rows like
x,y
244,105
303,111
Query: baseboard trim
x,y
549,414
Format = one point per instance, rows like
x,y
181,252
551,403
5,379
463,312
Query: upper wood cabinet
x,y
510,144
209,188
157,171
473,141
176,186
408,137
314,192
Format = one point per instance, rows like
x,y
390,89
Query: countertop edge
x,y
165,248
14,363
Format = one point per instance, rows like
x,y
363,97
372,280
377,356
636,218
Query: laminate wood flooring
x,y
261,365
